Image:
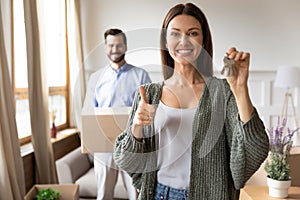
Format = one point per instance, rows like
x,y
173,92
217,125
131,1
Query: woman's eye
x,y
174,34
193,34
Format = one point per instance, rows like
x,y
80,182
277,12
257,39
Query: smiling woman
x,y
192,129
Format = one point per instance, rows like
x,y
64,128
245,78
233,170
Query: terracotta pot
x,y
278,189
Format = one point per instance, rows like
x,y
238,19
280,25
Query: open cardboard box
x,y
67,191
101,126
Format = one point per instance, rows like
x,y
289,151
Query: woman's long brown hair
x,y
204,61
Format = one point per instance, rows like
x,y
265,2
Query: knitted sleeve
x,y
133,156
248,142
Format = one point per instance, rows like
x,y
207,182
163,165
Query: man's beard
x,y
118,59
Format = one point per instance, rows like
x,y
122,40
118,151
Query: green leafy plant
x,y
47,194
277,165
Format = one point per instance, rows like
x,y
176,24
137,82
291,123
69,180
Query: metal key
x,y
228,69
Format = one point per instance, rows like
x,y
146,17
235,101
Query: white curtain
x,y
12,183
38,94
77,72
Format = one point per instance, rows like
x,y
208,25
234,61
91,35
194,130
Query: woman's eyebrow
x,y
178,29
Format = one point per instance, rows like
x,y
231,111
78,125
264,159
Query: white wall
x,y
269,29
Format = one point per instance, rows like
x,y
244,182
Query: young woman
x,y
193,136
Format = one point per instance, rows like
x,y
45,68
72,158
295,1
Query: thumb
x,y
143,94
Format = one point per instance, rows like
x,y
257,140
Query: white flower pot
x,y
278,189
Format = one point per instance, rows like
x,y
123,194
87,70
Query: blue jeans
x,y
169,193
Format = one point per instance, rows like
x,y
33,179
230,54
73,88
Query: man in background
x,y
114,86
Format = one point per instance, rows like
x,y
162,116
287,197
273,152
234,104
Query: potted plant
x,y
47,194
277,164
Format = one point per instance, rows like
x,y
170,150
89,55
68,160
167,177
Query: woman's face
x,y
184,39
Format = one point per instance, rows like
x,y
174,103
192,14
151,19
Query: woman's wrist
x,y
137,132
245,107
240,91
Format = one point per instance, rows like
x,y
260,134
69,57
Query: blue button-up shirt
x,y
117,88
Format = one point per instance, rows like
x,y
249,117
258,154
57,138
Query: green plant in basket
x,y
277,165
47,194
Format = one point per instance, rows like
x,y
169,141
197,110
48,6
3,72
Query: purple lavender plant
x,y
277,165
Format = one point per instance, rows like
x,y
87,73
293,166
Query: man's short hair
x,y
115,31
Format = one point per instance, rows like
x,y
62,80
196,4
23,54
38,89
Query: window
x,y
55,60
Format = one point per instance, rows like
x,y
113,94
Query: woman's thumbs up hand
x,y
143,94
144,114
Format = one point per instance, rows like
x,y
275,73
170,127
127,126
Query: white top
x,y
174,129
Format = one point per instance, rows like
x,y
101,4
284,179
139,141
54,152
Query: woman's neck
x,y
186,74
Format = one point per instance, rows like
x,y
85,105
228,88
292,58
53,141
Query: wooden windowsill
x,y
63,134
27,149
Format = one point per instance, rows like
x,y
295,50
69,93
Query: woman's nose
x,y
184,38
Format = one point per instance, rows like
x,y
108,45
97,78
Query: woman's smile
x,y
184,52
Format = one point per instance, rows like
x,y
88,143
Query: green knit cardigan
x,y
225,151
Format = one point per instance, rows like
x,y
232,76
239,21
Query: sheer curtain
x,y
38,94
77,71
12,183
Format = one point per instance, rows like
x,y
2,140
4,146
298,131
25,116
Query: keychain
x,y
228,69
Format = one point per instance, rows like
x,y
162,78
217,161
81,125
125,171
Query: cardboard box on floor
x,y
67,191
101,126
